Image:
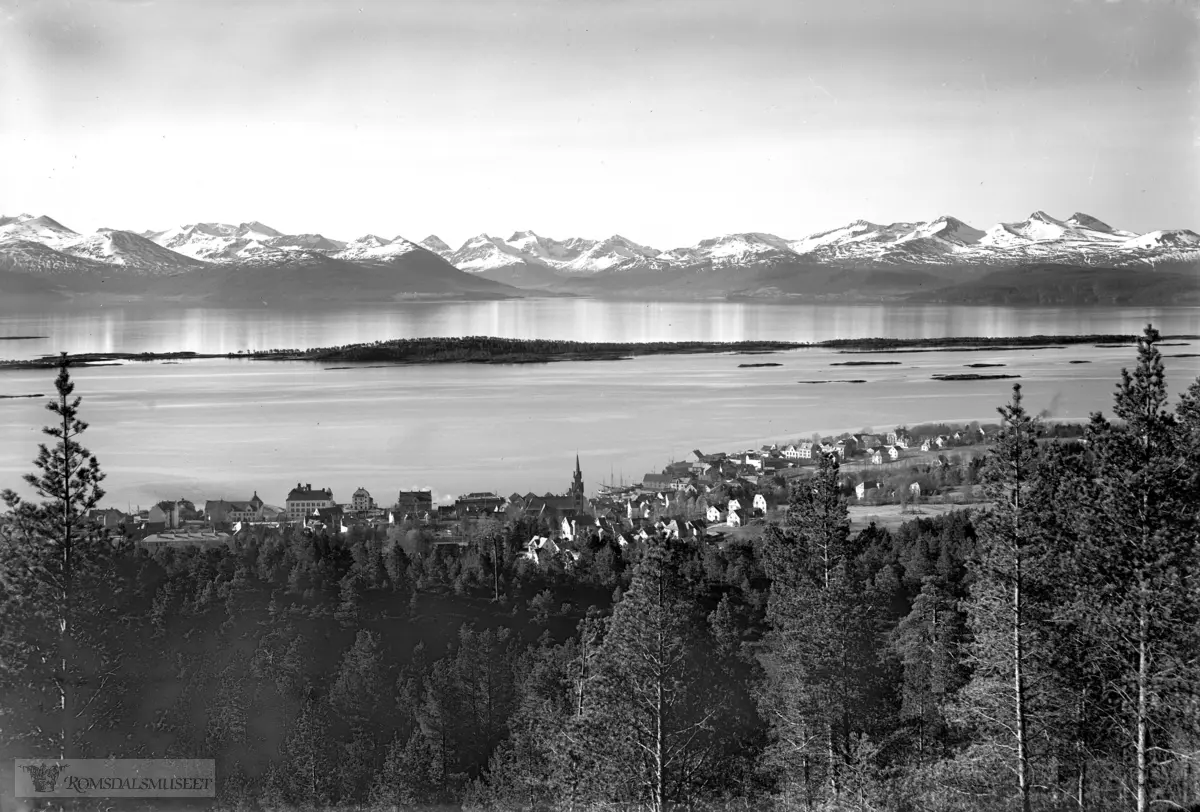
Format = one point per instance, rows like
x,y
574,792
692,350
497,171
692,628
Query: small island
x,y
864,363
972,376
982,366
742,366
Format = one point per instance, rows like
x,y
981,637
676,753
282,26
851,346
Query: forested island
x,y
491,350
1036,654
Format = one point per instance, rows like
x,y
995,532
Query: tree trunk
x,y
807,765
1081,757
65,644
1081,787
1018,628
835,788
1142,707
1019,690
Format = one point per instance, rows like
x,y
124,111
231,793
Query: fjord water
x,y
226,428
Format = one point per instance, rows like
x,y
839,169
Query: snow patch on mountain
x,y
43,229
946,229
132,251
482,253
374,249
1185,239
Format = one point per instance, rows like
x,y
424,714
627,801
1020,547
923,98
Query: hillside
x,y
1072,286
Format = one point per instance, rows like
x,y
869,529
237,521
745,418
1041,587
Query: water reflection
x,y
158,329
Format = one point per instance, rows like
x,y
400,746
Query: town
x,y
709,495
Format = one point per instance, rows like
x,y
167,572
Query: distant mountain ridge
x,y
248,264
860,259
946,240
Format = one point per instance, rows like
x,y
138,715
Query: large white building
x,y
302,500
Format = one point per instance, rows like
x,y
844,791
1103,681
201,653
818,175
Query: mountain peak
x,y
256,227
1082,220
522,235
1040,216
435,244
370,239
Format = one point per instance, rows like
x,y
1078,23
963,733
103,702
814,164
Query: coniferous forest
x,y
1040,654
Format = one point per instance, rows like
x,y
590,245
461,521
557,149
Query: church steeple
x,y
577,492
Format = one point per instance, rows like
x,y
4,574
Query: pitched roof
x,y
306,493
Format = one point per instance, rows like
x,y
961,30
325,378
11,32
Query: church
x,y
574,504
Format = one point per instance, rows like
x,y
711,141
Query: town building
x,y
303,499
222,511
361,501
415,506
108,518
474,505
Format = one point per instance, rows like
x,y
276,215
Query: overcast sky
x,y
664,120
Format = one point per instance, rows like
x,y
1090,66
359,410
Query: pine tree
x,y
1006,702
411,775
929,641
822,651
1138,567
648,708
307,756
52,558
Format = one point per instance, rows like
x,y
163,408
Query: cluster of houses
x,y
653,506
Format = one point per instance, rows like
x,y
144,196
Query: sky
x,y
666,121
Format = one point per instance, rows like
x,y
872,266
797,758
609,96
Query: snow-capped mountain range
x,y
43,243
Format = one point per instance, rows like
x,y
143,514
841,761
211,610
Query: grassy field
x,y
891,517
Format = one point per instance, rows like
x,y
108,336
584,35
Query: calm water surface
x,y
214,428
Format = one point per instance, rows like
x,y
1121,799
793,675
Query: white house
x,y
915,489
876,455
760,502
713,515
860,490
734,519
893,452
734,505
925,444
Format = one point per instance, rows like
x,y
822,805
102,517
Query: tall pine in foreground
x,y
1007,703
650,707
1137,563
821,652
55,571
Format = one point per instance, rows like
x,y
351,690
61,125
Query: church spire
x,y
577,490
